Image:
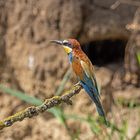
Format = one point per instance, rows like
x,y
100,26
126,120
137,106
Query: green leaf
x,y
63,83
93,125
57,112
22,96
138,56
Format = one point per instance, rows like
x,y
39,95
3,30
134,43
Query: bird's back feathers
x,y
83,68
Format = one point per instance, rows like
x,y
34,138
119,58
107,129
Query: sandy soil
x,y
45,126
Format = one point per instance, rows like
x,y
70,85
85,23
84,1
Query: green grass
x,y
65,79
94,124
138,56
57,112
22,96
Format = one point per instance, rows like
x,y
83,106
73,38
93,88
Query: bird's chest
x,y
77,68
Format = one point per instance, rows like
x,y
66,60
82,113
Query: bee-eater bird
x,y
83,69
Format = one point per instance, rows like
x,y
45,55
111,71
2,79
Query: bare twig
x,y
129,2
35,110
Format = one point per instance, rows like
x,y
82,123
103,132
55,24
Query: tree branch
x,y
35,110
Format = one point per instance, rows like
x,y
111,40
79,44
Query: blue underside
x,y
88,85
70,57
93,93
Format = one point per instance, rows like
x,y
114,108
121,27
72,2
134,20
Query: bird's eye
x,y
66,43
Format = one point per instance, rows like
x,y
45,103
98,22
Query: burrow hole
x,y
105,52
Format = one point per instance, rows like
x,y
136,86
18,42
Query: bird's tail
x,y
100,109
95,97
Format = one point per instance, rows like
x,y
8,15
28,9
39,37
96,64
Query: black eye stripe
x,y
67,44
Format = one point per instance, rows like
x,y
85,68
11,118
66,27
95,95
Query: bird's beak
x,y
57,42
66,48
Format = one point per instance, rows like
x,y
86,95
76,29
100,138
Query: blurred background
x,y
109,33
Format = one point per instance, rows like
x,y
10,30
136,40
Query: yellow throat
x,y
67,49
